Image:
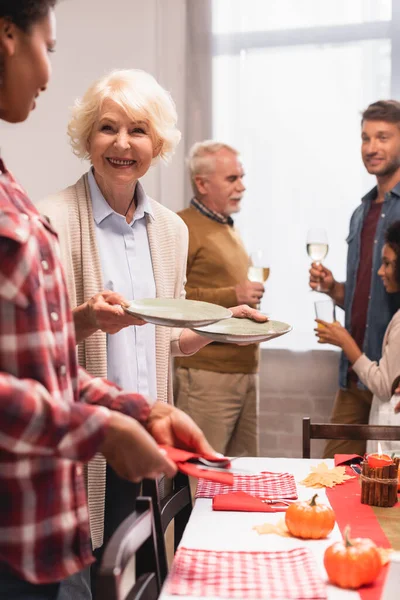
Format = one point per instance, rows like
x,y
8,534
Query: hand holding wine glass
x,y
321,279
249,292
317,249
258,268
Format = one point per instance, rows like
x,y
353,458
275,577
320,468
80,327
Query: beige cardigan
x,y
70,212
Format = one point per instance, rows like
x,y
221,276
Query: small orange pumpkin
x,y
352,563
310,520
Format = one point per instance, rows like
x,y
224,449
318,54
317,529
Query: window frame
x,y
237,42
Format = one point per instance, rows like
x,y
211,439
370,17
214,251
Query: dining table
x,y
234,531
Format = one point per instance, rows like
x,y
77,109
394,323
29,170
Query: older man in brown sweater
x,y
218,387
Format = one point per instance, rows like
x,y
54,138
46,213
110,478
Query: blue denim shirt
x,y
380,310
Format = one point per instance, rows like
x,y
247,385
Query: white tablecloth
x,y
220,530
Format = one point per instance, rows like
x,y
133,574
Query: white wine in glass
x,y
317,252
258,271
259,274
317,247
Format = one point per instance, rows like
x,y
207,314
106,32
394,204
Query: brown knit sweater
x,y
217,261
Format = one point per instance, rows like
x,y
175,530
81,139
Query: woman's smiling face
x,y
387,270
121,150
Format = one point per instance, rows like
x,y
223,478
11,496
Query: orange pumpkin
x,y
352,563
310,520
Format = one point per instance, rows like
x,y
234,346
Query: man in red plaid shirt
x,y
53,415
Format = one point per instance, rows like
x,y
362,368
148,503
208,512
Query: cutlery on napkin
x,y
184,462
347,459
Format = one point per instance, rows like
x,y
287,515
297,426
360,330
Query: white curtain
x,y
290,79
198,117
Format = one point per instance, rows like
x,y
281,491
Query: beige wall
x,y
93,37
294,385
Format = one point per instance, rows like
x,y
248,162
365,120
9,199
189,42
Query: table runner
x,y
289,574
345,500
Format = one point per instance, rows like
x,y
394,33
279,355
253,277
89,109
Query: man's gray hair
x,y
201,158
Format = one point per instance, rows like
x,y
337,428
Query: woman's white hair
x,y
140,96
201,158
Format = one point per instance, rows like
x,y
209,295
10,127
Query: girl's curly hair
x,y
392,239
25,13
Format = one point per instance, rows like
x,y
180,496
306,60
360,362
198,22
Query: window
x,y
290,102
231,16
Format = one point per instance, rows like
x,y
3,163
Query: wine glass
x,y
258,268
317,247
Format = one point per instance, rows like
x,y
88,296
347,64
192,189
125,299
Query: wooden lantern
x,y
379,484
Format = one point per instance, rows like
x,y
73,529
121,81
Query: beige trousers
x,y
224,405
351,406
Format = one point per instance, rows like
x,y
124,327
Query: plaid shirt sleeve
x,y
32,424
104,393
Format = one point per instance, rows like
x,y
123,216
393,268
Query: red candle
x,y
379,459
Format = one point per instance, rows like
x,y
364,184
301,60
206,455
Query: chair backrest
x,y
334,431
129,569
177,506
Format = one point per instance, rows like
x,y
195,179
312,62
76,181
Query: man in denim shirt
x,y
367,305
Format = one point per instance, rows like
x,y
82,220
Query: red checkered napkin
x,y
263,485
290,574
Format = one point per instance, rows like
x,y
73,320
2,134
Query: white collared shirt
x,y
126,266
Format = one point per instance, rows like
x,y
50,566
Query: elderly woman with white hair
x,y
118,244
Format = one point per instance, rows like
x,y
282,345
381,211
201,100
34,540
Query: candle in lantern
x,y
379,459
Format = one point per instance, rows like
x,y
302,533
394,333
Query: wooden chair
x,y
334,431
129,569
395,384
176,506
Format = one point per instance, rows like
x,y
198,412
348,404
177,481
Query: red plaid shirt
x,y
48,422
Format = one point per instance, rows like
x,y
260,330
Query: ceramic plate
x,y
172,312
243,330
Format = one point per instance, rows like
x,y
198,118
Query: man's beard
x,y
388,170
233,210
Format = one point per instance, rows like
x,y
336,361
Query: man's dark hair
x,y
25,13
392,239
383,110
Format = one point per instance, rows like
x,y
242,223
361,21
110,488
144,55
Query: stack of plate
x,y
209,320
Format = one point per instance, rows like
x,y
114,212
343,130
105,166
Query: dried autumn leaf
x,y
322,476
385,554
277,528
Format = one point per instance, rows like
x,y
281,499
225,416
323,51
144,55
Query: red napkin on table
x,y
180,458
347,459
242,502
290,574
